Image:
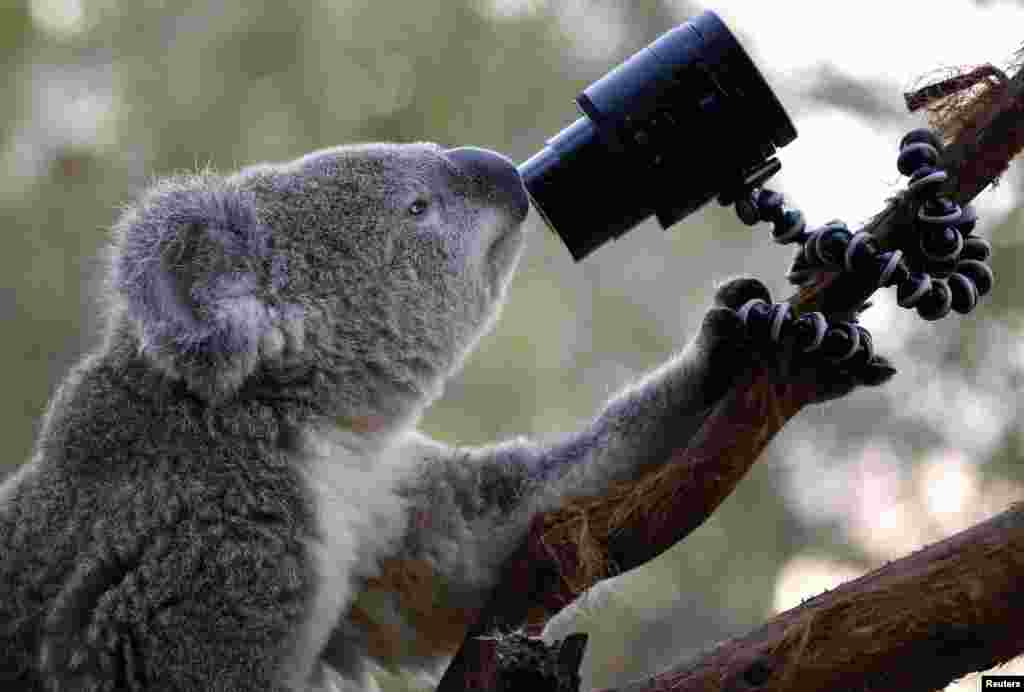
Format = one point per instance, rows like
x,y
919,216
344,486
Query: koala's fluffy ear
x,y
192,264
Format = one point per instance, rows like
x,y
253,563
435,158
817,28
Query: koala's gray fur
x,y
195,518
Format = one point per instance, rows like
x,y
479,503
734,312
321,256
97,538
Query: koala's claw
x,y
733,294
938,266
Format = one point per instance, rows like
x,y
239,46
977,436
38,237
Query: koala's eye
x,y
418,207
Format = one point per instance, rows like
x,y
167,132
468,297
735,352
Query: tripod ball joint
x,y
968,220
963,293
769,204
915,155
937,302
922,135
827,245
976,249
926,181
941,243
979,273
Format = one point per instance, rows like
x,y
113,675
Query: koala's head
x,y
362,274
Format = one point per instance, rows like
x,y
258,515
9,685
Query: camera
x,y
685,119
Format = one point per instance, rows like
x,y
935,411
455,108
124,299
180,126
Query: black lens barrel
x,y
678,123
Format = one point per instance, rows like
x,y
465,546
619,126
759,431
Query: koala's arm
x,y
472,506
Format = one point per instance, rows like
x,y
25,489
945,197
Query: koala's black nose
x,y
495,170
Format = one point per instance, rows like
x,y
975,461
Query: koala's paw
x,y
833,357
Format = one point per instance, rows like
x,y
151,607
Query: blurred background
x,y
98,97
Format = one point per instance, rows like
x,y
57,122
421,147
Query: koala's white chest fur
x,y
396,598
360,519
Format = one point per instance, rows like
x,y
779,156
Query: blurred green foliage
x,y
100,96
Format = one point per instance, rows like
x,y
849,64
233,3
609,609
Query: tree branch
x,y
918,623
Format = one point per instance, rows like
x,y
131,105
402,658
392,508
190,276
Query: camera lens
x,y
685,119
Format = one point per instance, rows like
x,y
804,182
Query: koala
x,y
230,493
